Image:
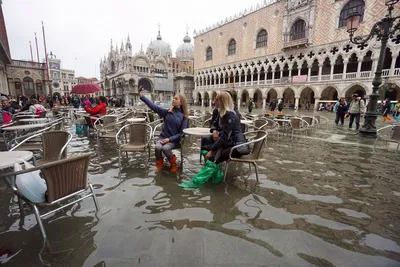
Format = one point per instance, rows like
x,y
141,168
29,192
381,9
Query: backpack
x,y
7,118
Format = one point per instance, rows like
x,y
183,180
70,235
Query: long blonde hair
x,y
184,106
225,103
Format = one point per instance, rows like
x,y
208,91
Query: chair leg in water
x,y
255,167
226,169
96,203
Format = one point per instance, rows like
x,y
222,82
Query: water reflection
x,y
321,202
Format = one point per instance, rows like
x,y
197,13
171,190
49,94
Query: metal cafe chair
x,y
255,155
65,179
139,139
392,137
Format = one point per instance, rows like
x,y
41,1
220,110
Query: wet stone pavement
x,y
325,200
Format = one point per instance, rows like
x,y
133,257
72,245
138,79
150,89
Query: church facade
x,y
156,70
298,51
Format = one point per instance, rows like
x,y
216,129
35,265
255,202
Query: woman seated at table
x,y
207,141
99,109
175,121
230,132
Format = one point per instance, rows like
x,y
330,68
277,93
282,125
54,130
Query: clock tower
x,y
62,79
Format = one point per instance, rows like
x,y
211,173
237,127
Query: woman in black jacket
x,y
230,133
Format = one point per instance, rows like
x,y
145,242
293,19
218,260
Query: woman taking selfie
x,y
175,120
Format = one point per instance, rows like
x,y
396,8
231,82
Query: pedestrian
x,y
341,110
387,106
272,106
356,108
280,107
250,107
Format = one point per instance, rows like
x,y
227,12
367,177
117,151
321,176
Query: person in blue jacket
x,y
175,120
341,110
230,133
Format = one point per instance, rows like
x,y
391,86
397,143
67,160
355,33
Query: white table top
x,y
34,120
136,120
8,158
25,127
284,120
246,121
198,131
25,116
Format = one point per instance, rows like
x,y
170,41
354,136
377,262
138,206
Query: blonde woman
x,y
230,133
175,121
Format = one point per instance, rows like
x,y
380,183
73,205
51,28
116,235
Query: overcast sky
x,y
79,31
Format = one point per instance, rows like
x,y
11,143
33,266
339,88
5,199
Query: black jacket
x,y
230,131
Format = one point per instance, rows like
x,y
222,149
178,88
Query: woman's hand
x,y
140,91
165,141
215,135
209,154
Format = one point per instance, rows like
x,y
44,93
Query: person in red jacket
x,y
100,109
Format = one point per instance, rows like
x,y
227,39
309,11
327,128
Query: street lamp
x,y
382,30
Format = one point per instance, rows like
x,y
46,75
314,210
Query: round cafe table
x,y
8,158
246,121
37,120
135,120
199,131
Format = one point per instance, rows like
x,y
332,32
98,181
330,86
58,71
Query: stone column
x,y
264,102
359,68
258,78
316,105
210,103
392,66
240,79
309,73
238,102
332,69
245,79
296,103
320,71
251,73
298,71
281,75
290,73
345,68
202,102
273,77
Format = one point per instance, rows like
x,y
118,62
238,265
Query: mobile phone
x,y
140,88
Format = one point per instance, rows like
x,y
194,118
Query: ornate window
x,y
262,38
28,84
352,6
232,47
209,53
298,30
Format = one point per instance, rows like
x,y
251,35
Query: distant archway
x,y
257,98
146,85
245,97
272,95
288,96
355,89
199,98
329,93
307,95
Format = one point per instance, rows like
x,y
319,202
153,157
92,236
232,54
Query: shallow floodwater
x,y
326,200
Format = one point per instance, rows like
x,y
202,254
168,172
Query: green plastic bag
x,y
211,170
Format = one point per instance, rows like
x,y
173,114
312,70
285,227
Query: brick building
x,y
5,57
295,50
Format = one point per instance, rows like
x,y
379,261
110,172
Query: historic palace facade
x,y
295,50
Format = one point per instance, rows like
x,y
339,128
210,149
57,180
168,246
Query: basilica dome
x,y
185,52
159,48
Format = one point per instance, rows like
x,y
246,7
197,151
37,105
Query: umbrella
x,y
86,88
